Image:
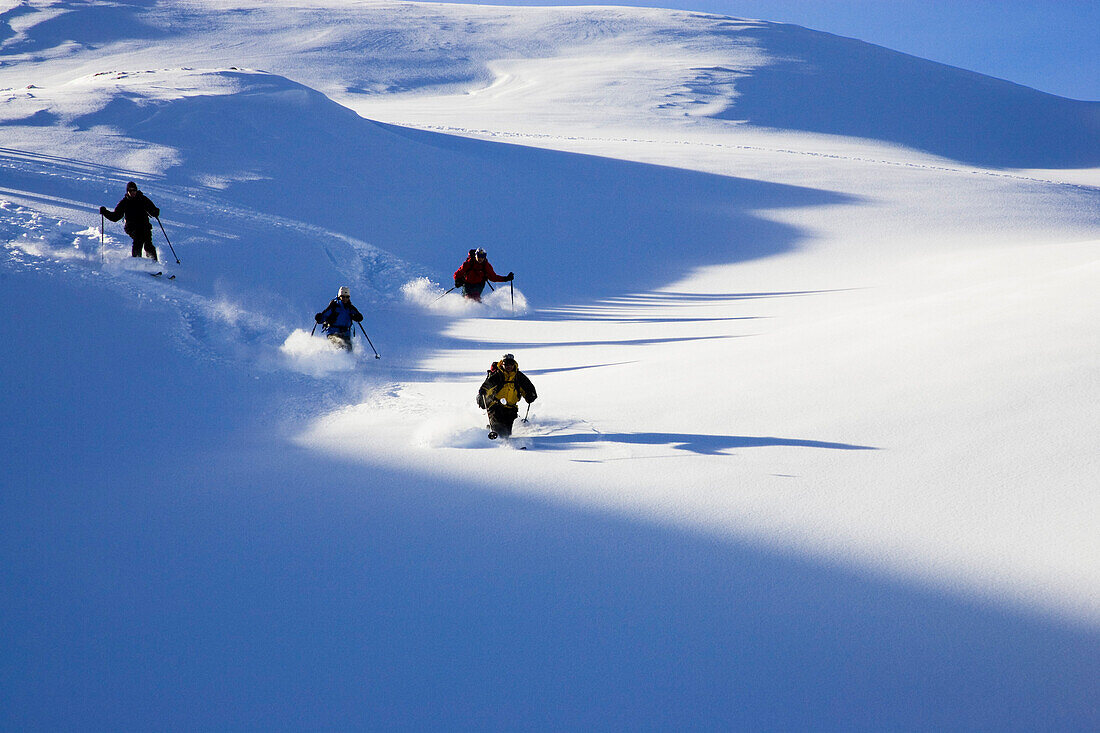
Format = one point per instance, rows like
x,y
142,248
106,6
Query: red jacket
x,y
476,272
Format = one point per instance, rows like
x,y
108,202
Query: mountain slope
x,y
814,441
828,84
567,63
419,195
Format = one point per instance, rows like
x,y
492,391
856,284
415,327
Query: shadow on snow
x,y
709,445
573,227
818,82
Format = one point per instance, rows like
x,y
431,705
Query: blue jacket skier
x,y
338,318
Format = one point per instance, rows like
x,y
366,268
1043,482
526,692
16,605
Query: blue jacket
x,y
339,316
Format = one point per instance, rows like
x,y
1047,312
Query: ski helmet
x,y
343,291
480,253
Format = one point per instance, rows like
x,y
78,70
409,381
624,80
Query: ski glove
x,y
103,211
459,282
511,276
319,318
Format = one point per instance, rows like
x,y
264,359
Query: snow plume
x,y
453,429
229,313
395,417
431,296
466,430
315,356
117,261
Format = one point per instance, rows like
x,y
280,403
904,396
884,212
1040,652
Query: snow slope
x,y
812,324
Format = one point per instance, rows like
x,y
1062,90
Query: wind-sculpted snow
x,y
427,198
569,63
827,84
47,29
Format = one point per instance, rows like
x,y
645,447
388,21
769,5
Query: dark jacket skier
x,y
475,272
338,318
137,209
501,392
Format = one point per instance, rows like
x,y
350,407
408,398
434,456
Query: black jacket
x,y
137,209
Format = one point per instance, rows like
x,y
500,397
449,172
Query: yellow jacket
x,y
505,387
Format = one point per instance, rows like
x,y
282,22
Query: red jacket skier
x,y
475,272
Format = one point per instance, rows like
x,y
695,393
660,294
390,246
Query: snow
x,y
812,324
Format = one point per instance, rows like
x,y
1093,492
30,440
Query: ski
x,y
159,274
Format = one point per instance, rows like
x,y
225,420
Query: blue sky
x,y
1050,45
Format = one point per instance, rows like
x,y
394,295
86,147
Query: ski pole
x,y
527,413
166,239
101,232
442,296
512,290
314,329
490,286
376,355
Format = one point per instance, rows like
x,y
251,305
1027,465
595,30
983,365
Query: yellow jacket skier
x,y
501,392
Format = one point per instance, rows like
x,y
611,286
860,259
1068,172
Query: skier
x,y
500,393
338,318
137,209
474,273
